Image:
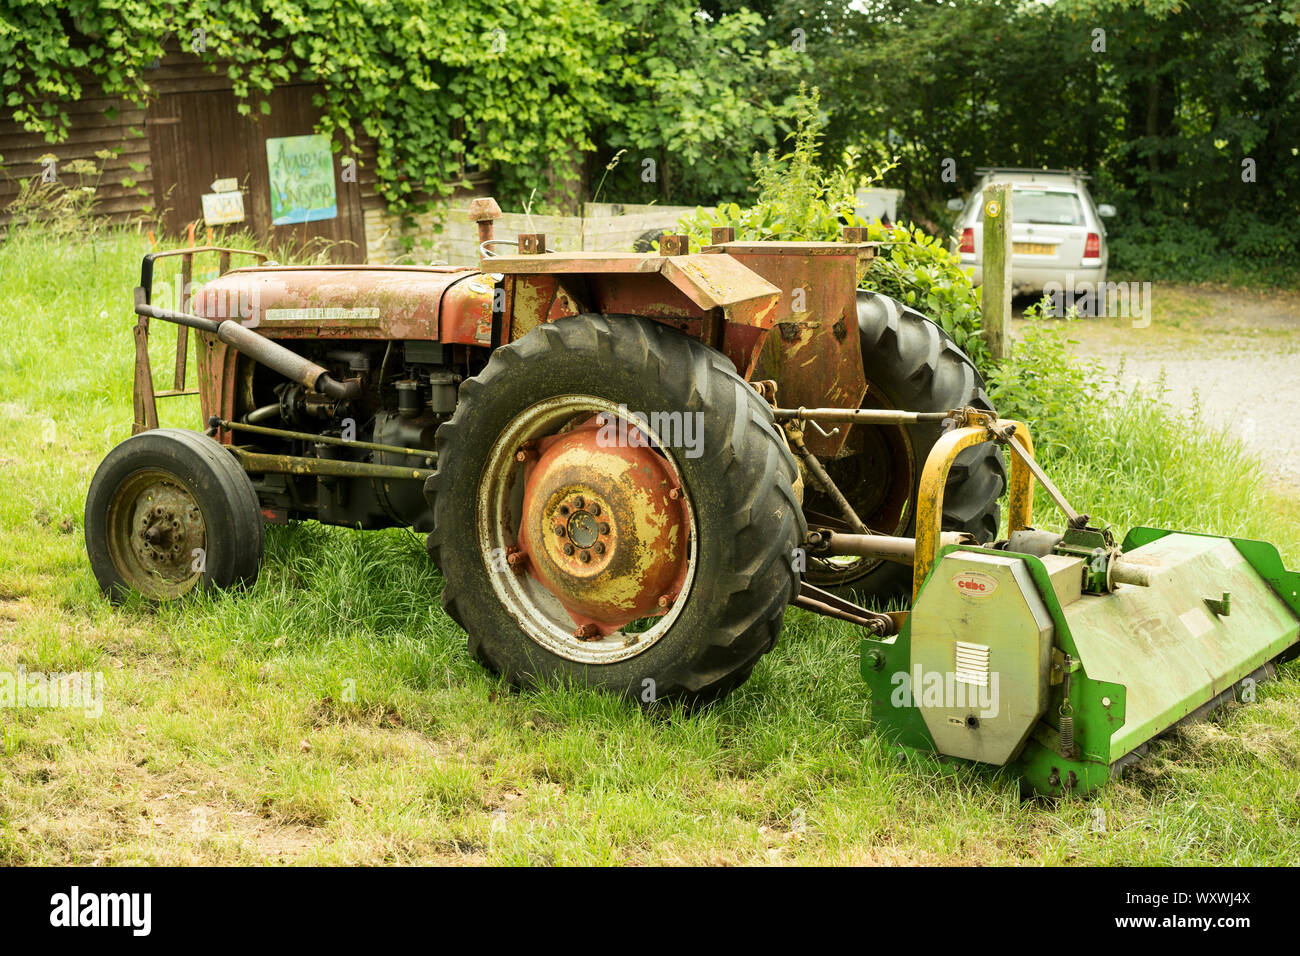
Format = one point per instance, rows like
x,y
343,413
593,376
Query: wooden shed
x,y
166,157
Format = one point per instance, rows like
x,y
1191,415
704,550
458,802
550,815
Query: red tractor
x,y
628,465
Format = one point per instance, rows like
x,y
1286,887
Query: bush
x,y
1241,249
1042,385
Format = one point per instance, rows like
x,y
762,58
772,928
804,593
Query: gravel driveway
x,y
1237,353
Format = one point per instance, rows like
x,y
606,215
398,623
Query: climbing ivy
x,y
529,88
442,86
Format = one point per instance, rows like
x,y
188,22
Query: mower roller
x,y
629,465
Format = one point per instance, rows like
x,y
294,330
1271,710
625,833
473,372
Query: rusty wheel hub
x,y
155,528
596,527
602,527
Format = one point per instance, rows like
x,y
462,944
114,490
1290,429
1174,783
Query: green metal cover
x,y
1127,641
1166,644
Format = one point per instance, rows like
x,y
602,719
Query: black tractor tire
x,y
210,496
740,489
912,364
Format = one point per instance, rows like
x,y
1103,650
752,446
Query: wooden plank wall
x,y
97,123
185,85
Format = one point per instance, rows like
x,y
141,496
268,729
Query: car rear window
x,y
1046,206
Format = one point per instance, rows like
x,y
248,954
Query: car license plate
x,y
1033,248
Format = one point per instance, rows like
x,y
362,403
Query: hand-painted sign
x,y
219,208
228,185
302,179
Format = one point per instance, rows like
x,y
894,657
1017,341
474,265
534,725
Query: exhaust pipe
x,y
257,347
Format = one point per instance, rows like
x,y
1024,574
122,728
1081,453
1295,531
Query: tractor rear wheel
x,y
912,364
614,508
170,511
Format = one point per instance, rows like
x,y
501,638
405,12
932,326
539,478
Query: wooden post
x,y
995,288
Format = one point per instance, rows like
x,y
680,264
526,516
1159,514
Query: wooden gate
x,y
196,138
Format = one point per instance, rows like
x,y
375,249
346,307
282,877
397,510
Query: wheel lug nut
x,y
603,527
568,548
584,557
595,509
598,548
579,502
674,493
559,530
665,600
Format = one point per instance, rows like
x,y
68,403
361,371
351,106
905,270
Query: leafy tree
x,y
691,98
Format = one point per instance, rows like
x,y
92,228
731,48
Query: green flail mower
x,y
628,466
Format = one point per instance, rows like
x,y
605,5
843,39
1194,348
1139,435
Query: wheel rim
x,y
587,529
877,476
156,534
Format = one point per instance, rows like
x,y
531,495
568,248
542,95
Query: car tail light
x,y
968,241
1092,246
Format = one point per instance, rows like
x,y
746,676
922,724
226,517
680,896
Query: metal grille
x,y
971,663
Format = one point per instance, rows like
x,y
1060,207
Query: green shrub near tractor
x,y
629,465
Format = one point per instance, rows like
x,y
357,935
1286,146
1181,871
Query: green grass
x,y
333,715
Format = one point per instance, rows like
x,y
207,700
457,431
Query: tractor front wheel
x,y
614,508
170,511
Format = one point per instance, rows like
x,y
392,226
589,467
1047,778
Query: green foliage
x,y
1240,249
1164,101
59,208
799,200
689,100
442,87
919,269
445,87
1043,385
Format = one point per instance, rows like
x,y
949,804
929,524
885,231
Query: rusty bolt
x,y
579,502
674,493
586,632
518,561
532,243
665,601
595,509
674,244
603,527
568,548
559,530
525,453
584,557
484,209
598,547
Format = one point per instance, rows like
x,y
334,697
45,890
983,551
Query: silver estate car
x,y
1056,231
